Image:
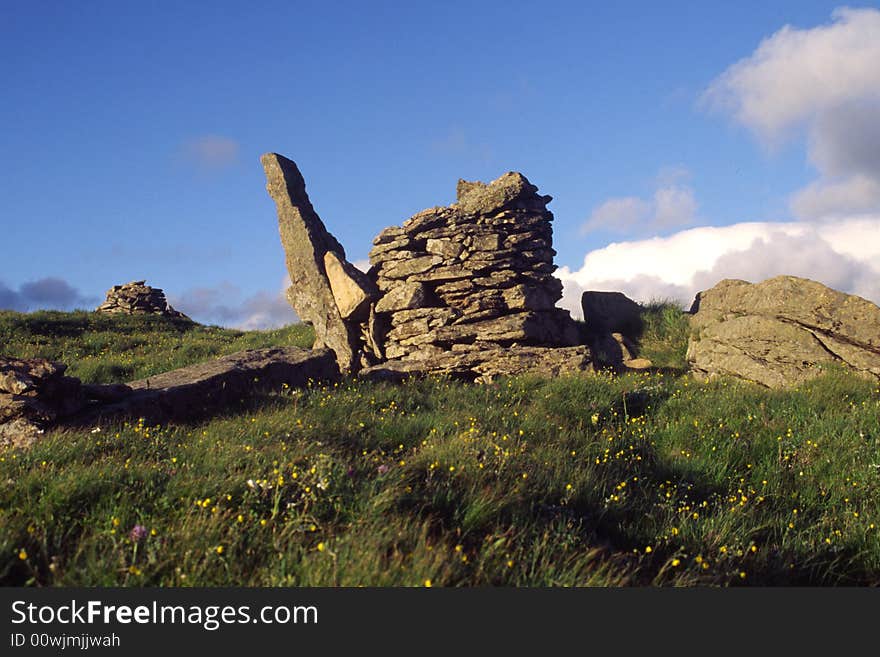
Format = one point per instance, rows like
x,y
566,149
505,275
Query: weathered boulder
x,y
613,327
335,303
780,332
616,351
138,298
611,312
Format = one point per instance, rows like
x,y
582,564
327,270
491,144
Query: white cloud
x,y
223,305
211,152
844,255
795,74
670,176
672,206
826,81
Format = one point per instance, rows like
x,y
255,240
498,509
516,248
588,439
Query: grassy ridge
x,y
601,480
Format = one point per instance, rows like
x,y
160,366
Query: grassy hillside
x,y
596,480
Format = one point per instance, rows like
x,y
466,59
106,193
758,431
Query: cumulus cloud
x,y
211,152
844,255
49,293
224,305
826,82
795,74
672,206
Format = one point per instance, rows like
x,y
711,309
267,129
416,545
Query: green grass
x,y
638,479
665,334
102,348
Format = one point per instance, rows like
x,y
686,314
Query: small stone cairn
x,y
137,298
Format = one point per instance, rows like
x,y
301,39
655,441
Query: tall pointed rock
x,y
306,244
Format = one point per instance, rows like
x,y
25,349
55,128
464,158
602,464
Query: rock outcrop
x,y
475,276
326,291
780,332
137,298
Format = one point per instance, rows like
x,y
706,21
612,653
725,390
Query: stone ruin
x,y
466,289
137,298
474,276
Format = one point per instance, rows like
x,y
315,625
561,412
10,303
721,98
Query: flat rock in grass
x,y
49,400
20,376
781,332
201,390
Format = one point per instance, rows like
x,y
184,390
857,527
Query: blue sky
x,y
132,135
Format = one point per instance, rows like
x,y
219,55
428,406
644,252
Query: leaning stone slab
x,y
306,241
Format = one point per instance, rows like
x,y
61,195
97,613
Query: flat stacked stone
x,y
137,298
474,276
